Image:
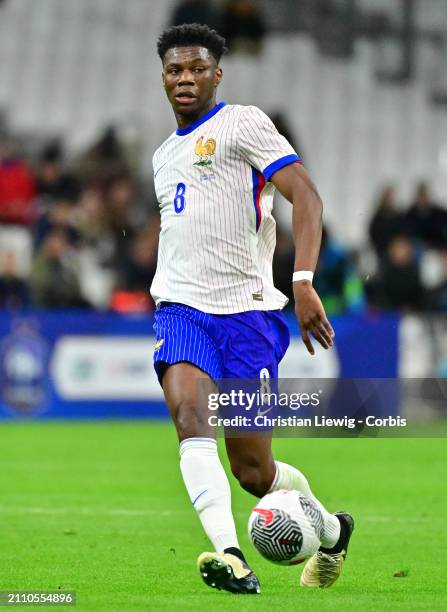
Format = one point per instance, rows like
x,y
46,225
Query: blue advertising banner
x,y
91,365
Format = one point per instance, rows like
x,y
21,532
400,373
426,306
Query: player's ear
x,y
218,75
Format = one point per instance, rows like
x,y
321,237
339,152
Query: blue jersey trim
x,y
278,164
202,119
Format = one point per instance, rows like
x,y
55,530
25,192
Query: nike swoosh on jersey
x,y
158,344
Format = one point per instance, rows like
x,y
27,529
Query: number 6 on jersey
x,y
179,199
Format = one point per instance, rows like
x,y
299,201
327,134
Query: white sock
x,y
209,490
289,477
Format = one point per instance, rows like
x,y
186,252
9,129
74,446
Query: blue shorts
x,y
224,346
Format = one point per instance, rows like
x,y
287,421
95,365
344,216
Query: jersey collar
x,y
202,119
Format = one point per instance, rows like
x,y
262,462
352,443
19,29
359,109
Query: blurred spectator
x,y
386,222
427,221
53,182
97,251
55,276
337,281
282,125
141,262
14,291
120,195
91,217
59,216
17,187
94,226
438,295
243,26
399,282
17,240
195,11
105,159
137,271
283,260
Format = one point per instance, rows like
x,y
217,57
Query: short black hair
x,y
192,35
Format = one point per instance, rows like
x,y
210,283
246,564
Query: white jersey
x,y
218,234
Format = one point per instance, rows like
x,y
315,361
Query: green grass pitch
x,y
100,508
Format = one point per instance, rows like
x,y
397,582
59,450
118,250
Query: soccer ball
x,y
286,527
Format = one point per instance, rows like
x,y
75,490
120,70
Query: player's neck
x,y
185,121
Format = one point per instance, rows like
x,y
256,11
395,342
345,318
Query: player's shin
x,y
209,490
289,477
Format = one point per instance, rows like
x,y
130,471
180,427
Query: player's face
x,y
190,78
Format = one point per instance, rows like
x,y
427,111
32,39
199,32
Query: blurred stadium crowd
x,y
82,231
77,235
85,234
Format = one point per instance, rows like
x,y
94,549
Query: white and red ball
x,y
286,527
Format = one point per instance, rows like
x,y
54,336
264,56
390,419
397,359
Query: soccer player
x,y
218,313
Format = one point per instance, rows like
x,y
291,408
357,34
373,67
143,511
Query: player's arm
x,y
295,185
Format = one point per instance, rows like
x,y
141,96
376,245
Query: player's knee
x,y
252,478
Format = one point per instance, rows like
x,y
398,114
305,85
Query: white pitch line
x,y
81,510
141,512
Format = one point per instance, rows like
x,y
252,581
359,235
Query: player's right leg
x,y
205,480
187,362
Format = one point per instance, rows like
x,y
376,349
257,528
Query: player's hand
x,y
311,316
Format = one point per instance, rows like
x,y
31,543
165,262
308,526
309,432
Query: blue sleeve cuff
x,y
278,164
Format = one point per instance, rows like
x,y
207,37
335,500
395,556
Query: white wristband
x,y
302,275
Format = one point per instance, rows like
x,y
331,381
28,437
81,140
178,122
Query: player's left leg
x,y
252,463
259,341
